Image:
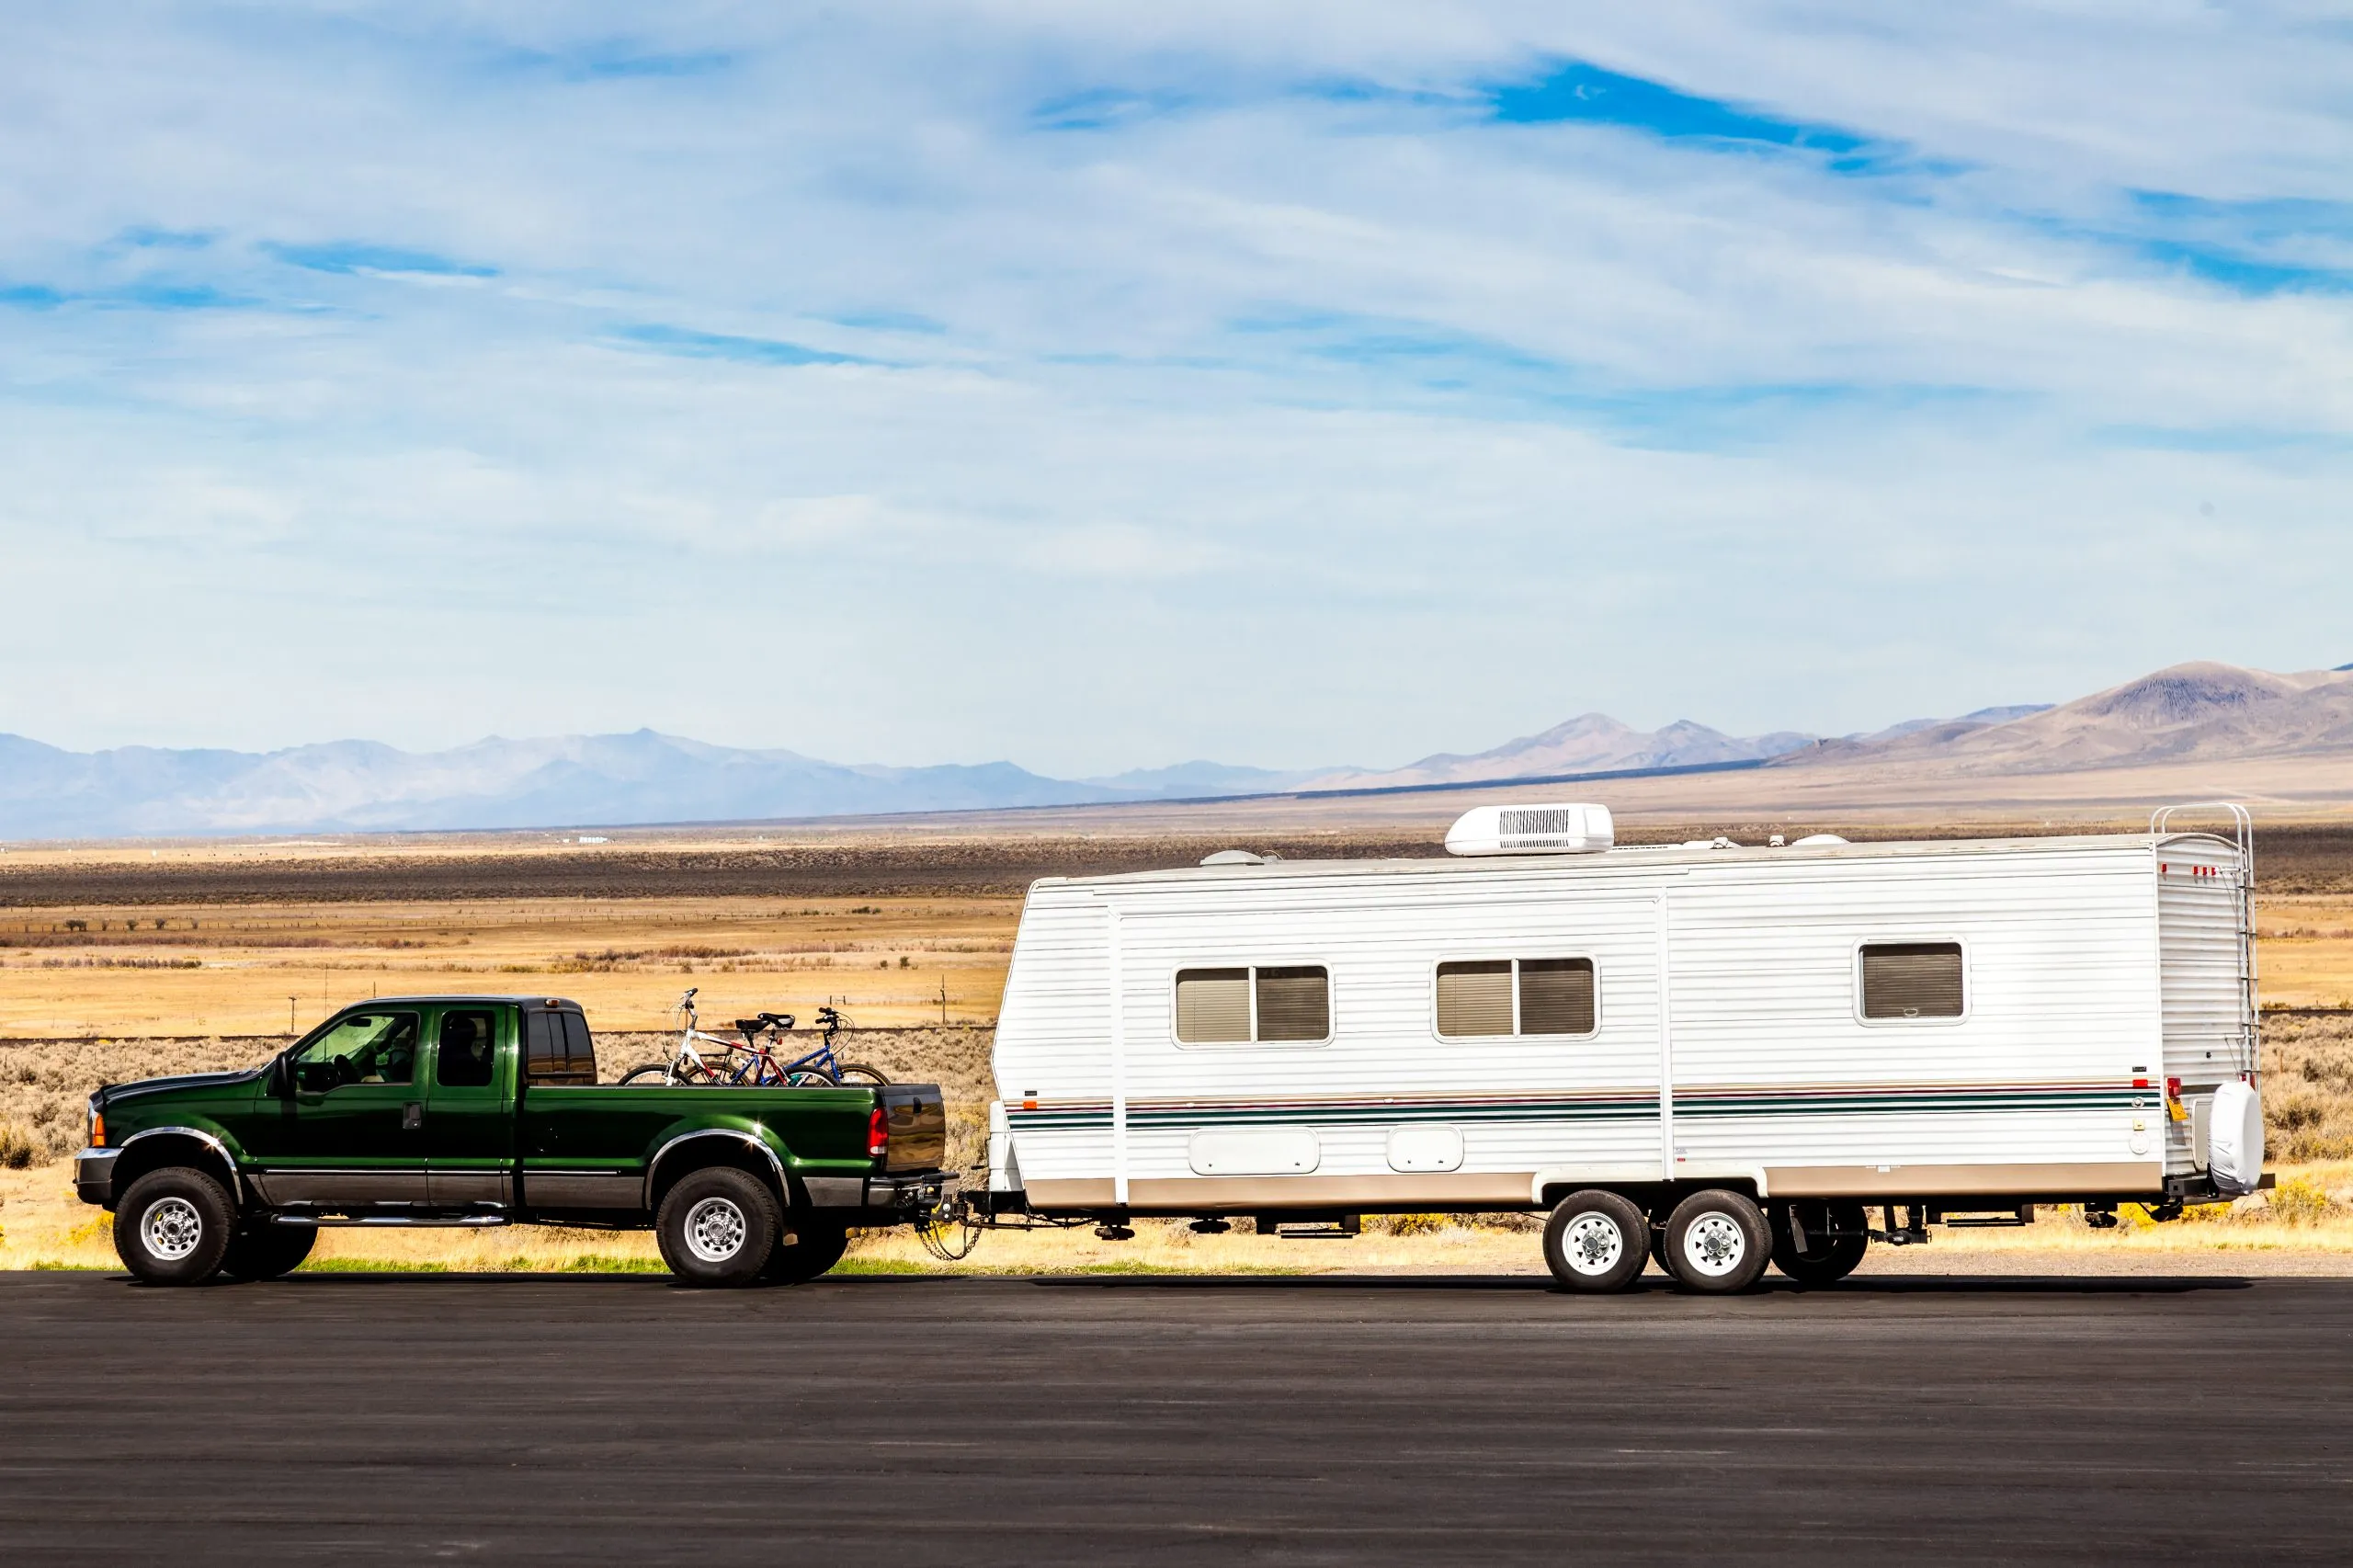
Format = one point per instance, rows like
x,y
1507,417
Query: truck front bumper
x,y
885,1199
93,1176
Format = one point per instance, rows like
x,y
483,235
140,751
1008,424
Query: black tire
x,y
816,1245
1825,1259
268,1251
1717,1241
651,1072
1597,1241
717,1227
857,1072
174,1226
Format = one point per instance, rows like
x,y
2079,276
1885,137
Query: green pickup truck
x,y
486,1110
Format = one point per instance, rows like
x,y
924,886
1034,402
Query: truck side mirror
x,y
281,1078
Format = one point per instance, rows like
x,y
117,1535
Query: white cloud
x,y
1274,421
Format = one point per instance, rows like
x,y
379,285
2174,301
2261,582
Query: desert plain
x,y
121,960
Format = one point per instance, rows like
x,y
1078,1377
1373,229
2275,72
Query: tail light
x,y
877,1134
2175,1110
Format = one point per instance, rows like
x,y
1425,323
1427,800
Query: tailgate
x,y
916,1115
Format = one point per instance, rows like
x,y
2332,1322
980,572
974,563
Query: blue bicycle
x,y
759,1062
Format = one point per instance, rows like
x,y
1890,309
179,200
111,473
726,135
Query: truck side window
x,y
468,1049
366,1048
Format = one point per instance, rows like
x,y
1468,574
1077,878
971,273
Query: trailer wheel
x,y
1597,1241
717,1226
1825,1259
1717,1241
265,1251
816,1246
173,1226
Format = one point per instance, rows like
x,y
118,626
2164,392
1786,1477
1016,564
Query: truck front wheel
x,y
172,1227
718,1226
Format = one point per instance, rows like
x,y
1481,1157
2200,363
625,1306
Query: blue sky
x,y
1099,388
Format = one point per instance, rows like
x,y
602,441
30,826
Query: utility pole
x,y
943,1001
289,1015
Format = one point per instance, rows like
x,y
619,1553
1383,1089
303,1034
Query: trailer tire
x,y
1595,1241
1827,1259
717,1227
816,1246
174,1226
265,1251
1717,1241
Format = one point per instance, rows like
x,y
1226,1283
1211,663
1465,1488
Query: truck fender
x,y
735,1135
208,1151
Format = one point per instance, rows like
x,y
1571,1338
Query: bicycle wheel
x,y
854,1073
811,1078
651,1072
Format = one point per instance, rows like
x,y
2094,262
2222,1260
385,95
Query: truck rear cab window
x,y
557,1048
1516,996
467,1050
1291,1004
1911,979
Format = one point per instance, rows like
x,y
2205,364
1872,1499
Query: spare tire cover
x,y
2234,1139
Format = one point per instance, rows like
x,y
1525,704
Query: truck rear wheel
x,y
172,1227
1597,1241
268,1251
718,1226
815,1246
1717,1241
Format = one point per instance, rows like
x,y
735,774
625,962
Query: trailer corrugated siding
x,y
1759,1065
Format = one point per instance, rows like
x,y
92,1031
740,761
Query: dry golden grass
x,y
208,970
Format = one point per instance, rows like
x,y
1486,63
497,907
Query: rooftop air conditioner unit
x,y
1531,830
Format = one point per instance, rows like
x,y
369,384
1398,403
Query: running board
x,y
318,1221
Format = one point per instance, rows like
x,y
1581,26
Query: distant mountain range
x,y
2198,711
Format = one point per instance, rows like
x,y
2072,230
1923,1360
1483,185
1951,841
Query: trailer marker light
x,y
878,1134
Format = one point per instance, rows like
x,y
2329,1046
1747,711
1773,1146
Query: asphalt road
x,y
891,1421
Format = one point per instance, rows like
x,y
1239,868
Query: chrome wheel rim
x,y
1592,1243
1714,1245
171,1229
715,1229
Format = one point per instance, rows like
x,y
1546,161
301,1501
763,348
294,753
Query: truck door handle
x,y
412,1115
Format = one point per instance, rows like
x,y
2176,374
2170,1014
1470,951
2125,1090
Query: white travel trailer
x,y
1707,1054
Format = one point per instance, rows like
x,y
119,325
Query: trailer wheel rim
x,y
171,1229
715,1229
1715,1244
1592,1243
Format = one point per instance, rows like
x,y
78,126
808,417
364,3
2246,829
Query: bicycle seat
x,y
781,1020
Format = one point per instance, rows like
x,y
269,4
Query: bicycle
x,y
820,1067
754,1063
687,1065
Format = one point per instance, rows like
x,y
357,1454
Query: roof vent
x,y
1233,857
1531,830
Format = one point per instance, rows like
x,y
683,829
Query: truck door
x,y
353,1129
470,1131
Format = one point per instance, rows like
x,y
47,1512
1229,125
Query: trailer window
x,y
1516,996
1912,979
1236,1006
